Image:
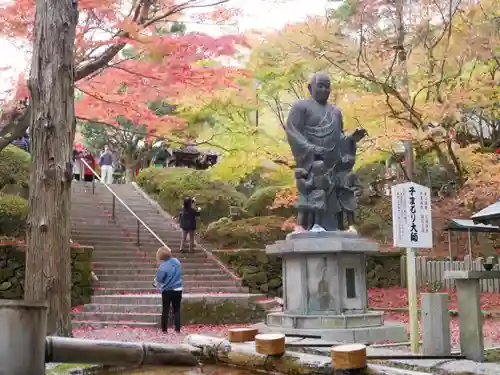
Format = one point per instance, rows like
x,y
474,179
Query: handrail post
x,y
138,233
113,205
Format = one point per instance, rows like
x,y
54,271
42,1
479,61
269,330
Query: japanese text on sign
x,y
411,215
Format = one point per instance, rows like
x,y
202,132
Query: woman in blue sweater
x,y
169,280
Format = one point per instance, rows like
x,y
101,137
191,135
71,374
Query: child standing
x,y
188,216
169,280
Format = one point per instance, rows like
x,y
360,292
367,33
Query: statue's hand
x,y
358,134
319,151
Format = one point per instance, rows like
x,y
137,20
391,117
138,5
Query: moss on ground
x,y
228,312
67,368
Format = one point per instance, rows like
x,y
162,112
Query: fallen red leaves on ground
x,y
124,333
398,298
491,327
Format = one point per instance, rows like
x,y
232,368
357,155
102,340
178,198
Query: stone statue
x,y
347,185
324,157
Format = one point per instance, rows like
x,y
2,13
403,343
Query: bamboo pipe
x,y
70,350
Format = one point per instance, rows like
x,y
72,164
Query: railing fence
x,y
430,273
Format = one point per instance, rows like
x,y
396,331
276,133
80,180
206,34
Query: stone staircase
x,y
124,294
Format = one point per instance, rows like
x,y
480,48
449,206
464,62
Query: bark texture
x,y
51,83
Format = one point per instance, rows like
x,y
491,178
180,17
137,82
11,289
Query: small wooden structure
x,y
468,226
349,357
488,215
190,157
242,334
270,343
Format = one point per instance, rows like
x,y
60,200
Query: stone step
x,y
199,282
218,289
124,263
99,229
95,222
150,254
123,323
120,238
111,238
92,211
109,235
128,243
123,309
118,317
141,251
141,258
191,276
155,298
187,269
125,218
94,308
125,247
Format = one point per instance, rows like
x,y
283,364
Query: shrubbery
x,y
260,201
252,233
14,166
171,185
259,204
13,214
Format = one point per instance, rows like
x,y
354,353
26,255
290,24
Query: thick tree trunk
x,y
51,83
130,174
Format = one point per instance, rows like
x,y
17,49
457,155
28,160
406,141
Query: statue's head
x,y
319,87
347,162
300,173
318,167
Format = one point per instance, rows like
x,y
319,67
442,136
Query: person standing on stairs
x,y
188,216
106,163
169,280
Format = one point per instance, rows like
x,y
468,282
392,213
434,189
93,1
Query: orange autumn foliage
x,y
163,65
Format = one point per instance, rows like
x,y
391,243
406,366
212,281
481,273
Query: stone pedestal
x,y
436,338
470,317
23,326
324,289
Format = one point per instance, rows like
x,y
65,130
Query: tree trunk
x,y
130,174
51,83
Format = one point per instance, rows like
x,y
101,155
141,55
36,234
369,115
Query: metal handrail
x,y
115,196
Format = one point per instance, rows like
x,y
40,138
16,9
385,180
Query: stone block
x,y
388,332
470,319
471,275
13,273
323,242
435,324
371,319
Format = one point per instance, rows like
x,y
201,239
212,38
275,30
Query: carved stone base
x,y
353,328
324,289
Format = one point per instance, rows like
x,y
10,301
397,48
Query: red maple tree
x,y
112,84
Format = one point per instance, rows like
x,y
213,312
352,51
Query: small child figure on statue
x,y
348,188
312,200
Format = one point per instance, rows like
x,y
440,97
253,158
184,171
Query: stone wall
x,y
262,272
12,273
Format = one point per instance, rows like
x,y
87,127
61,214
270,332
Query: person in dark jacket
x,y
188,216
